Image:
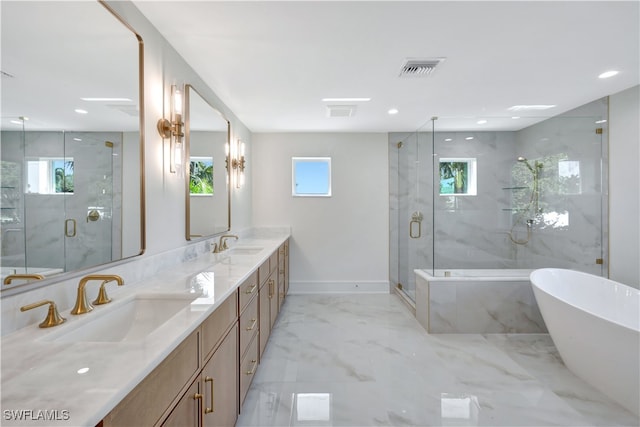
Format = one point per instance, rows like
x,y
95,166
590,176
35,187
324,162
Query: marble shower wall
x,y
474,231
582,239
97,181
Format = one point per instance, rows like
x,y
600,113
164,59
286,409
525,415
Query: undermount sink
x,y
131,320
245,250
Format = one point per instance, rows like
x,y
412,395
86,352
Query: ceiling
x,y
273,62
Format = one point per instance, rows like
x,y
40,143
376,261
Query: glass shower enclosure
x,y
529,193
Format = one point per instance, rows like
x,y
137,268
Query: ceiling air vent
x,y
341,110
419,67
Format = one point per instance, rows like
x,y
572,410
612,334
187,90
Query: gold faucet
x,y
223,241
82,305
11,277
53,317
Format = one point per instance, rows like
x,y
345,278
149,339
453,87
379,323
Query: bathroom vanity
x,y
179,349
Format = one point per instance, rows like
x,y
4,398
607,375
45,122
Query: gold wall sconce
x,y
173,129
238,162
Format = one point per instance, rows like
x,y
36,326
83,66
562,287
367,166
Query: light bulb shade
x,y
238,163
173,129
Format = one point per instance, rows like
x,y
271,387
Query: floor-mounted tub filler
x,y
595,324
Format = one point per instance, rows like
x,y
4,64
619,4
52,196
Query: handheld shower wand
x,y
533,201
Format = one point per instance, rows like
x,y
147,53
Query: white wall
x,y
338,243
165,192
624,184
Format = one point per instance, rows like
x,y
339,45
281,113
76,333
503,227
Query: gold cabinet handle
x,y
209,410
66,228
271,282
252,369
251,289
253,325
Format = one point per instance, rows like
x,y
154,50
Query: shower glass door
x,y
411,214
89,210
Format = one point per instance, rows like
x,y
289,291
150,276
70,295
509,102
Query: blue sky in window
x,y
312,177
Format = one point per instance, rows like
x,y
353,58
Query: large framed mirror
x,y
208,188
71,142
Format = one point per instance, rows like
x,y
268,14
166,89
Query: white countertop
x,y
79,383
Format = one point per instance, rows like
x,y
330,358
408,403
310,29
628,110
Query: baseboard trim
x,y
355,287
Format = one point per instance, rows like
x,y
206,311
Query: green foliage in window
x,y
201,177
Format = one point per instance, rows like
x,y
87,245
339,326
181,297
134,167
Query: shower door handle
x,y
416,218
70,232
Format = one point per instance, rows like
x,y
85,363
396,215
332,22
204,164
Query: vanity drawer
x,y
264,271
248,368
247,290
248,325
273,261
218,323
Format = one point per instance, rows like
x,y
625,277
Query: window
x,y
201,176
311,176
458,177
569,179
49,175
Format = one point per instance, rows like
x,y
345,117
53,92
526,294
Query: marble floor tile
x,y
364,360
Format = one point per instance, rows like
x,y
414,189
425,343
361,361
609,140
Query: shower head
x,y
524,160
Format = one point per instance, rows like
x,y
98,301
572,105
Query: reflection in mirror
x,y
70,144
207,183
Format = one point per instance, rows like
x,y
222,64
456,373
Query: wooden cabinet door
x,y
273,296
219,384
188,410
265,317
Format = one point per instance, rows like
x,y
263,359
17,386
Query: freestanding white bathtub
x,y
595,324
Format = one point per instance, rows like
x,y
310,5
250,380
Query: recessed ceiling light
x,y
81,111
469,138
106,99
393,111
601,121
448,139
77,139
16,122
515,117
607,74
346,99
530,107
481,122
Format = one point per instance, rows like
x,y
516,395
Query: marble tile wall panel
x,y
483,307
